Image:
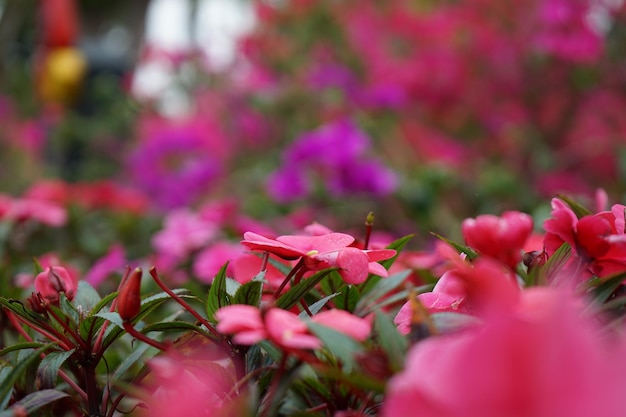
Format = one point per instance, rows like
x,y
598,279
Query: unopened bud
x,y
129,297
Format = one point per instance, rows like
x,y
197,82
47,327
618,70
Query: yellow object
x,y
61,75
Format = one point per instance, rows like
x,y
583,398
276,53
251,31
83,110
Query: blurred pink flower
x,y
244,322
539,359
480,288
183,232
502,238
196,385
24,209
344,322
208,262
112,262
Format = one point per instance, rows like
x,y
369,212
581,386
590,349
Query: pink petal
x,y
344,322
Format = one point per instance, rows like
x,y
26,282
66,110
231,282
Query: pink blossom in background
x,y
501,238
25,209
183,232
344,322
247,266
540,359
208,262
113,262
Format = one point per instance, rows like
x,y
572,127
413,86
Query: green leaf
x,y
20,346
113,317
249,293
34,402
317,306
7,384
369,300
18,308
218,294
86,296
603,291
471,253
397,245
391,341
553,265
341,346
347,298
103,303
171,326
298,291
577,208
50,365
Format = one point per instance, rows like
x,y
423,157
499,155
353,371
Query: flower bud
x,y
54,280
128,299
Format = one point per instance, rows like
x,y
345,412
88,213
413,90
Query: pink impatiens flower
x,y
324,251
284,328
539,359
502,238
477,288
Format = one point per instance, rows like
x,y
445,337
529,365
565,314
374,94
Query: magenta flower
x,y
502,238
540,359
242,321
324,251
346,167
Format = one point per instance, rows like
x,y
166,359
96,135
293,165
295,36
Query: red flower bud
x,y
128,299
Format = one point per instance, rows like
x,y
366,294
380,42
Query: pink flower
x,y
113,261
23,209
243,321
183,232
324,251
480,288
54,280
288,331
344,322
209,261
188,385
502,238
540,359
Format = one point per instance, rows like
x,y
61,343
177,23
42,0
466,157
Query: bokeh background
x,y
293,111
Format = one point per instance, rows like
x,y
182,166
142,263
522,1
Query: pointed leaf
x,y
471,253
577,208
34,402
86,296
397,245
50,365
391,341
298,291
368,300
249,293
218,294
20,346
7,386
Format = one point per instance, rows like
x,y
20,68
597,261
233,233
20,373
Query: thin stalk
x,y
293,271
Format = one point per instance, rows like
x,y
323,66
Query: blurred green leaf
x,y
383,287
249,293
471,253
397,245
577,208
343,347
34,402
6,388
391,341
